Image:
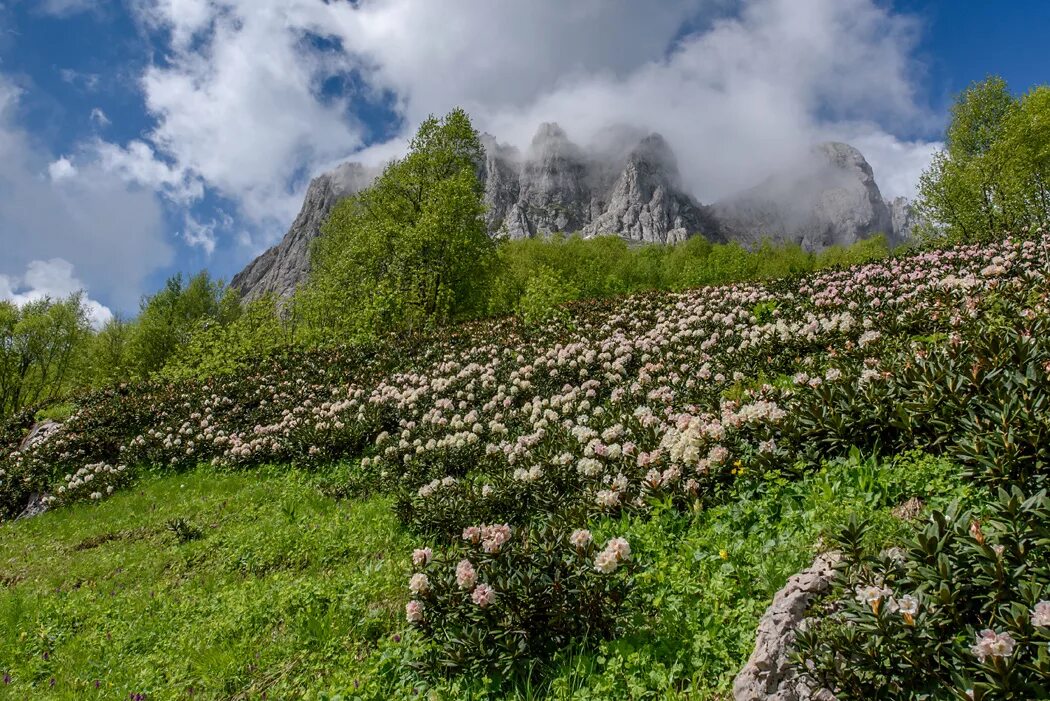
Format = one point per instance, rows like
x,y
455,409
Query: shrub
x,y
506,598
962,613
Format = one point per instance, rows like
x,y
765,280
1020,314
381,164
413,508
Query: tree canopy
x,y
412,249
993,175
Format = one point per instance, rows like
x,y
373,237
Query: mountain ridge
x,y
629,187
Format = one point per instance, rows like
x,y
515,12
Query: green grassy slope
x,y
276,589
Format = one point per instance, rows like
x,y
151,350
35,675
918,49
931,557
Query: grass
x,y
284,589
224,585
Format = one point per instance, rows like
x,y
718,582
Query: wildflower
x,y
419,584
472,534
486,490
907,606
620,548
483,595
992,644
414,611
466,577
605,562
580,538
608,498
494,537
1041,614
421,557
872,596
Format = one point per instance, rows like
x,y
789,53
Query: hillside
x,y
597,507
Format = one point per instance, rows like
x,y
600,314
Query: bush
x,y
961,614
508,598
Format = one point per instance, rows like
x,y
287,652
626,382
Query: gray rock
x,y
36,505
282,268
647,202
39,433
904,218
768,674
829,199
626,184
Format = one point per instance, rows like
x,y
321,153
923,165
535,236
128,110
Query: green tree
x,y
109,354
992,175
410,250
168,319
40,343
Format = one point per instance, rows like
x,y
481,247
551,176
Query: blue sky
x,y
139,138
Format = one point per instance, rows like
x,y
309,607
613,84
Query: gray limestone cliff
x,y
828,199
283,267
627,185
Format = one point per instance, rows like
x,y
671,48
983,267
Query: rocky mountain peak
x,y
830,198
625,183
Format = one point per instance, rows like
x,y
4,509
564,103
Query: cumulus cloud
x,y
52,208
738,98
51,279
65,8
739,88
61,169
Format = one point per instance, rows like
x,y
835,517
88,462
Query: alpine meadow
x,y
526,419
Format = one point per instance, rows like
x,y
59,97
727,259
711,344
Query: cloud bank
x,y
250,98
52,209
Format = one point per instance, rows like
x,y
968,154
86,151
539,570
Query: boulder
x,y
768,674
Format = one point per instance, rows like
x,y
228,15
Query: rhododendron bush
x,y
963,613
660,402
504,597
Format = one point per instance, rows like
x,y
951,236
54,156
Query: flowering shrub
x,y
92,482
504,598
651,403
963,613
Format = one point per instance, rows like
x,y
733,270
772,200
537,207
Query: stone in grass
x,y
769,674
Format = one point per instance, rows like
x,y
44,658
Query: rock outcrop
x,y
627,185
282,268
39,433
829,199
768,674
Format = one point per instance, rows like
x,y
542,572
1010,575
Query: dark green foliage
x,y
547,594
967,572
183,530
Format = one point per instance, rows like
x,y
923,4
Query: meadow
x,y
599,505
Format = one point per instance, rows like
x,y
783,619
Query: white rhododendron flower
x,y
992,644
414,611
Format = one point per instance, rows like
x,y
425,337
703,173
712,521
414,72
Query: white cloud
x,y
113,233
61,169
738,87
203,235
52,279
139,164
99,118
237,102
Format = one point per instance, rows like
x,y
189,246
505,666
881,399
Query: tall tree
x,y
992,175
40,343
410,250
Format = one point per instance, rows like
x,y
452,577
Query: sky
x,y
143,138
